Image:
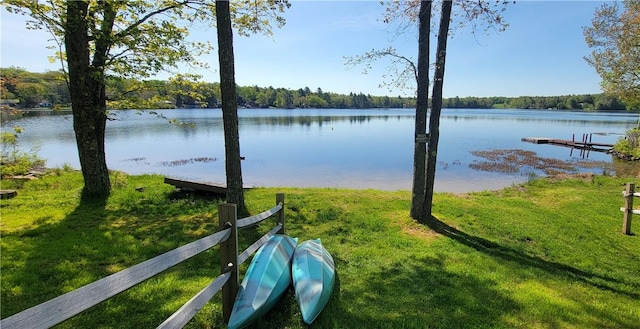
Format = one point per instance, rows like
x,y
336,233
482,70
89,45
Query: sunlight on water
x,y
325,148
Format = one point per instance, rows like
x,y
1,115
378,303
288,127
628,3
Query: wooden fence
x,y
629,193
63,307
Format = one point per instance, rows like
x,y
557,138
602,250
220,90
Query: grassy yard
x,y
547,254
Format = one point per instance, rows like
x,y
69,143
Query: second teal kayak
x,y
313,278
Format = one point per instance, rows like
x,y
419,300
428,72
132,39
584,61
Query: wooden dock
x,y
584,144
214,188
184,185
8,194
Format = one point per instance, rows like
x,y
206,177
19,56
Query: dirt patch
x,y
419,231
411,227
585,176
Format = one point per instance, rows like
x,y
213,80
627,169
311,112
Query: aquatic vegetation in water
x,y
183,162
134,160
516,160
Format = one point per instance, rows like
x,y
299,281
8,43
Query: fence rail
x,y
629,193
63,307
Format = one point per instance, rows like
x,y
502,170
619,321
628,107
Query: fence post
x,y
280,214
227,218
628,208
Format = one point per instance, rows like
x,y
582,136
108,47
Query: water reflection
x,y
326,148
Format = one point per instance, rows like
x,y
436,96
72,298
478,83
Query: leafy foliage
x,y
125,39
630,144
145,37
614,37
479,15
30,89
13,160
150,36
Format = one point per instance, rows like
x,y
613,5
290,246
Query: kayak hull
x,y
266,280
313,271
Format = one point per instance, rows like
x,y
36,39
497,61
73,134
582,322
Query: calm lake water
x,y
324,148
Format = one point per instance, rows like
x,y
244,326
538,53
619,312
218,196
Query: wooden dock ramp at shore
x,y
215,188
8,194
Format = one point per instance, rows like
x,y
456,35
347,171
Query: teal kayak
x,y
313,278
267,279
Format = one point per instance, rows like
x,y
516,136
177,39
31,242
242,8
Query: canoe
x,y
267,279
313,272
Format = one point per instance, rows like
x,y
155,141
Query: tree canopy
x,y
123,39
614,37
149,36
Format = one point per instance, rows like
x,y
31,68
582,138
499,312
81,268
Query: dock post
x,y
628,208
227,218
280,214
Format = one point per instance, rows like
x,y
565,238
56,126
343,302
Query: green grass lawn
x,y
547,254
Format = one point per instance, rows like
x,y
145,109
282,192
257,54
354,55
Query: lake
x,y
326,147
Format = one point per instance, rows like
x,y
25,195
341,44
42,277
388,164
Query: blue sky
x,y
540,54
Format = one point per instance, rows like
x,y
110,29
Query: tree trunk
x,y
419,151
235,193
88,101
436,106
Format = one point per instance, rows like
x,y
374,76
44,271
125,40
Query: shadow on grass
x,y
417,292
56,256
195,195
414,291
495,250
92,242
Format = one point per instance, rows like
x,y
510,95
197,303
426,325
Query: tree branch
x,y
133,26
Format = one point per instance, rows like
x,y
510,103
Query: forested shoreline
x,y
23,89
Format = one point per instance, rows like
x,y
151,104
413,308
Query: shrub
x,y
630,144
13,160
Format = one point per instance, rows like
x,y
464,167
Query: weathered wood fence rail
x,y
628,210
63,307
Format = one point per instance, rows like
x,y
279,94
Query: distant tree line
x,y
25,89
28,89
591,102
306,98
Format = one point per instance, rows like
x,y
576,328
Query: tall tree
x,y
402,69
235,192
422,104
614,36
436,107
125,38
87,89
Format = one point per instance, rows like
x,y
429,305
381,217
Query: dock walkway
x,y
215,188
582,145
